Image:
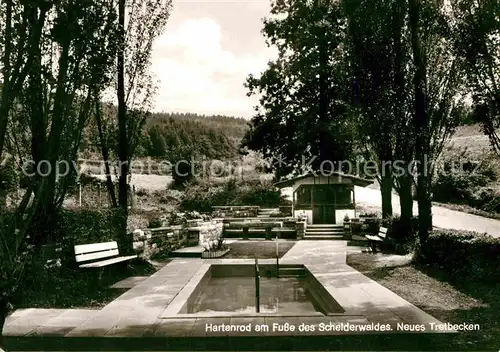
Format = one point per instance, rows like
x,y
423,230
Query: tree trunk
x,y
105,154
386,177
4,310
406,198
386,192
122,135
4,105
421,123
324,150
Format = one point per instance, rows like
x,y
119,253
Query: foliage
x,y
166,135
186,142
477,42
217,245
403,235
356,228
11,272
463,180
9,177
202,195
303,93
57,286
84,226
463,254
155,223
211,136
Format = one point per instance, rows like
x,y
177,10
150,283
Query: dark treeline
x,y
233,127
174,135
184,134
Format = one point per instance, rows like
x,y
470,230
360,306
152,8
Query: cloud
x,y
198,75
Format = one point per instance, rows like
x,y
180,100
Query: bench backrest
x,y
382,232
95,251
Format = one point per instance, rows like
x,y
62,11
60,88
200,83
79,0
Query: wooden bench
x,y
99,255
377,239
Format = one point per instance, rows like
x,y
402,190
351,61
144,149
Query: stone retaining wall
x,y
148,242
151,241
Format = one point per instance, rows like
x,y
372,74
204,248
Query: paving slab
x,y
129,282
174,328
136,311
355,292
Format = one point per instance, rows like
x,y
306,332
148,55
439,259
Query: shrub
x,y
9,177
141,192
202,195
459,179
368,215
463,254
403,238
85,226
155,223
218,245
356,228
372,226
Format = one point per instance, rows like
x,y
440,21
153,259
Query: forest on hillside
x,y
233,127
174,134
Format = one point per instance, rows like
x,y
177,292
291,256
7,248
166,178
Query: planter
x,y
214,254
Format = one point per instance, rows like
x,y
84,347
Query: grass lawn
x,y
73,288
469,210
263,249
453,300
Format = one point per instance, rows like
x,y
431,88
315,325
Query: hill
x,y
168,135
176,135
233,128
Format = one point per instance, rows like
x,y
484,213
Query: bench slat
x,y
383,230
107,262
374,238
95,247
96,255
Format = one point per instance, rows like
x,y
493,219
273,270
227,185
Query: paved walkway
x,y
137,312
442,217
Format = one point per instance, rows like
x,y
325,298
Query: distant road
x,y
442,217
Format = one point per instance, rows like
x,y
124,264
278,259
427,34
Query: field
x,y
473,140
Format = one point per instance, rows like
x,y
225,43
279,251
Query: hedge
x,y
85,226
462,254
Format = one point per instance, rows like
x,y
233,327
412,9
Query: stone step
x,y
292,275
335,226
329,233
323,237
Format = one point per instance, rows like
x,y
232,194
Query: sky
x,y
207,51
